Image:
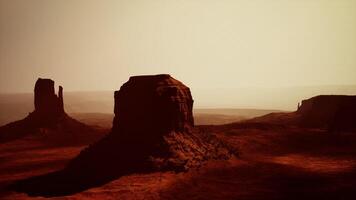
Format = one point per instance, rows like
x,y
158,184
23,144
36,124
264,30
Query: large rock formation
x,y
333,112
152,131
158,103
48,121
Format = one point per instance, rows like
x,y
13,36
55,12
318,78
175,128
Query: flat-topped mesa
x,y
157,103
152,130
47,103
333,112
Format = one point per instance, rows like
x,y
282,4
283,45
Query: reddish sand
x,y
275,163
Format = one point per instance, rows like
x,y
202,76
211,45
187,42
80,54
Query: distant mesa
x,y
48,119
333,112
152,131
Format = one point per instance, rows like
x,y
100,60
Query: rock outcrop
x,y
47,103
157,103
152,131
49,109
333,112
48,121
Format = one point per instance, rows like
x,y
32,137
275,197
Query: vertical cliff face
x,y
47,103
155,104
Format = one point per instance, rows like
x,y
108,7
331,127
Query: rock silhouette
x,y
48,121
167,104
153,125
152,131
333,112
47,103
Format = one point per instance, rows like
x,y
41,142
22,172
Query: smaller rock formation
x,y
333,112
48,117
48,106
47,103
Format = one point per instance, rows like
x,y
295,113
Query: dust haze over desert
x,y
166,99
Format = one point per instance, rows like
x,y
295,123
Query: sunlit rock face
x,y
333,112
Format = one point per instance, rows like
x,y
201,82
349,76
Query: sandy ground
x,y
275,163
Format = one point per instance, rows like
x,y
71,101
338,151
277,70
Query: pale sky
x,y
207,44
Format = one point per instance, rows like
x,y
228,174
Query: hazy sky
x,y
207,44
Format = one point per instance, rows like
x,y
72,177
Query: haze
x,y
247,53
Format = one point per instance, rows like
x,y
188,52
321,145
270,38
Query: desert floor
x,y
275,162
